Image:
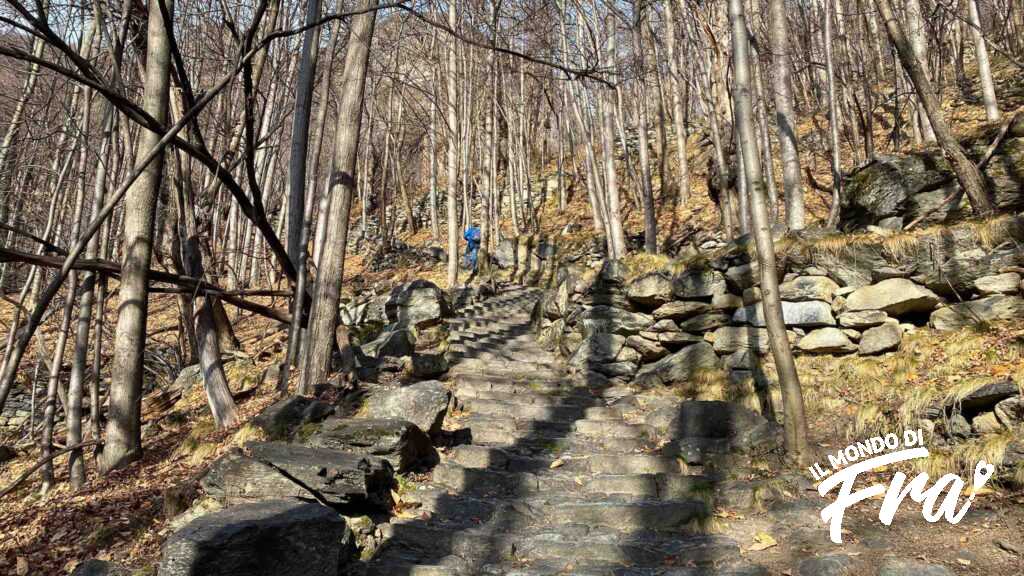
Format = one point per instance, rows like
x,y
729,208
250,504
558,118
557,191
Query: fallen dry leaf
x,y
762,541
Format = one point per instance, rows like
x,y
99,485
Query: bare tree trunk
x,y
300,130
792,397
966,171
616,236
833,118
646,189
331,267
435,228
453,153
919,44
785,117
988,90
124,430
680,106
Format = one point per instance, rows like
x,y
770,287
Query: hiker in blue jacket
x,y
472,237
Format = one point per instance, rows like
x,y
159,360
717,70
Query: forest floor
x,y
120,517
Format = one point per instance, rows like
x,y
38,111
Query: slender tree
x,y
331,266
124,429
966,171
789,382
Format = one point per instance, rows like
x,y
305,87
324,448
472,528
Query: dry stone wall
x,y
663,326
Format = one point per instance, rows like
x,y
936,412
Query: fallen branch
x,y
39,464
110,268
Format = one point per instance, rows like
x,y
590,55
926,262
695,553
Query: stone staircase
x,y
555,480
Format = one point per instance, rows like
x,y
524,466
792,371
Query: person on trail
x,y
472,237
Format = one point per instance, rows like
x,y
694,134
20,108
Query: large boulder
x,y
400,442
914,186
826,341
424,404
1010,412
862,319
597,349
984,398
267,470
704,322
650,290
809,314
1005,283
612,320
420,304
987,309
271,538
282,418
729,339
392,344
649,349
804,288
680,310
882,338
678,367
425,365
698,284
946,260
895,296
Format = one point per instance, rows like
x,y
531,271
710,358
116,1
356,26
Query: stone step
x,y
623,514
611,463
558,446
538,550
467,380
612,430
503,484
551,411
584,567
467,395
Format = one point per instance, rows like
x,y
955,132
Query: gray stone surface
x,y
698,284
804,288
598,349
392,344
830,565
650,290
404,445
704,322
808,314
649,350
282,418
728,339
612,320
895,296
272,538
680,310
1010,412
879,339
862,319
419,304
423,403
987,309
267,470
1005,283
678,367
826,341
